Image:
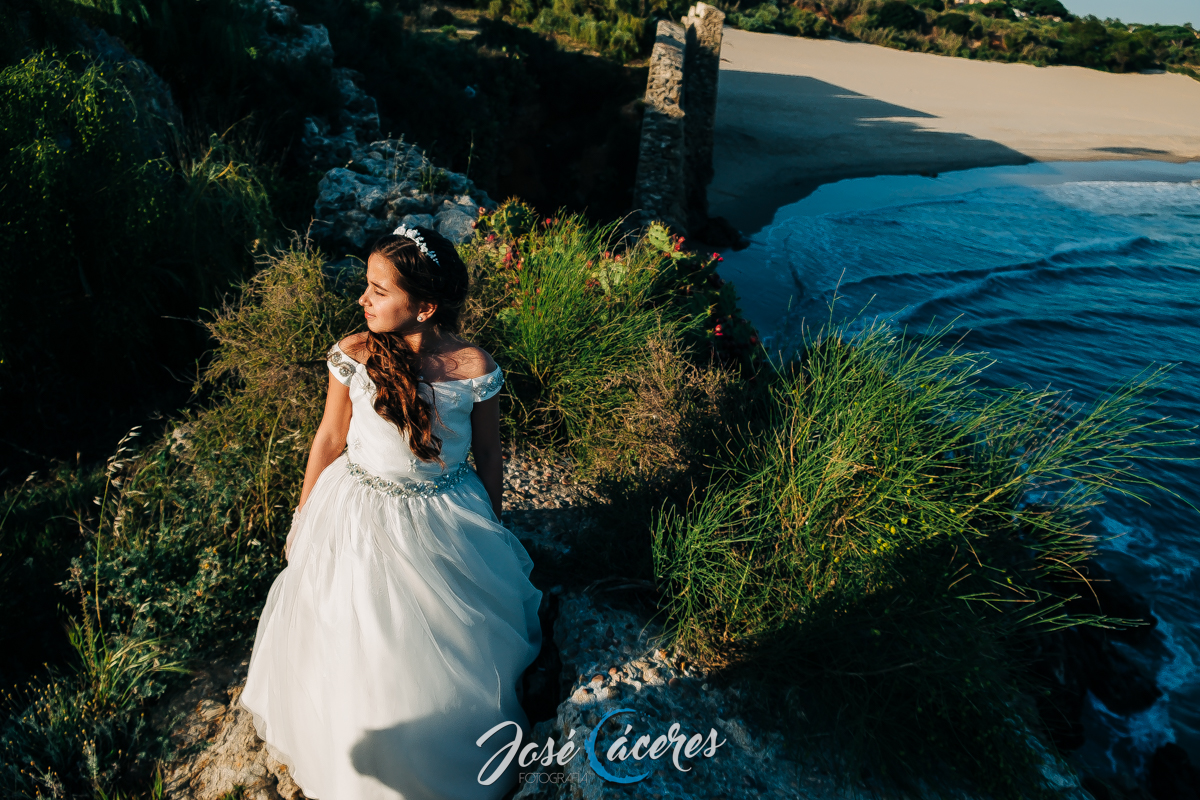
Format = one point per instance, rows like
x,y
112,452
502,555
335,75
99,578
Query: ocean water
x,y
1072,276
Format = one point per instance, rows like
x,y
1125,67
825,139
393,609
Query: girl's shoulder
x,y
470,361
354,346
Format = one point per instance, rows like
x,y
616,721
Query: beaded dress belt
x,y
441,483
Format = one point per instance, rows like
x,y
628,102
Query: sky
x,y
1147,12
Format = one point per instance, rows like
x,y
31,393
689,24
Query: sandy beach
x,y
793,114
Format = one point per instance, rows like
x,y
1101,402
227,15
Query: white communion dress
x,y
397,633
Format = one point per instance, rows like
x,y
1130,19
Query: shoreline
x,y
766,287
795,114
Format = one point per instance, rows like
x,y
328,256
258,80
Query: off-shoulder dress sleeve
x,y
341,365
486,386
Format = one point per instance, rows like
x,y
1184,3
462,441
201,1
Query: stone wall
x,y
675,158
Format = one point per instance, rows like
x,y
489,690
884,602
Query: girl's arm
x,y
330,440
485,443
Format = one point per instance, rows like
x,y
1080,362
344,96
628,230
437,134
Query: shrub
x,y
959,24
998,9
802,22
899,15
874,546
760,18
567,308
1044,8
932,5
135,237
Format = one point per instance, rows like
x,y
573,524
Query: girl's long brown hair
x,y
391,363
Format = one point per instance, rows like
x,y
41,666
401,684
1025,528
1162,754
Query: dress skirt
x,y
394,638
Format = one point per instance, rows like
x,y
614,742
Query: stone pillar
x,y
660,189
702,66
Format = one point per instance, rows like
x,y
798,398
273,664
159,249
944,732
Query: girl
x,y
396,634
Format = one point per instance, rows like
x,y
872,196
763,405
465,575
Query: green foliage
x,y
83,734
614,33
618,29
899,15
204,512
1044,8
513,220
185,536
877,541
759,18
997,9
138,227
953,22
39,534
793,20
59,741
569,310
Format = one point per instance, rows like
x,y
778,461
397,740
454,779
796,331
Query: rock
x,y
380,187
236,757
1104,594
289,43
455,225
1172,774
415,220
1115,676
149,92
327,144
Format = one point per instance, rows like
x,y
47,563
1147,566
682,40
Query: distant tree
x,y
997,10
899,15
954,23
1044,8
933,5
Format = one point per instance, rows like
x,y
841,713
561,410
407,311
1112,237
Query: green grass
x,y
573,310
883,535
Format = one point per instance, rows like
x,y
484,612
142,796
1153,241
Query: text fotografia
x,y
546,777
623,748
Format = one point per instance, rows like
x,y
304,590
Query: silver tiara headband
x,y
413,234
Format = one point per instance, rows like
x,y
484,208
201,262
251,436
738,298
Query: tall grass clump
x,y
880,541
567,306
79,731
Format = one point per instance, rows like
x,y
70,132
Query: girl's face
x,y
386,305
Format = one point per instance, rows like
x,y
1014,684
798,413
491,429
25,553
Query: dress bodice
x,y
379,453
